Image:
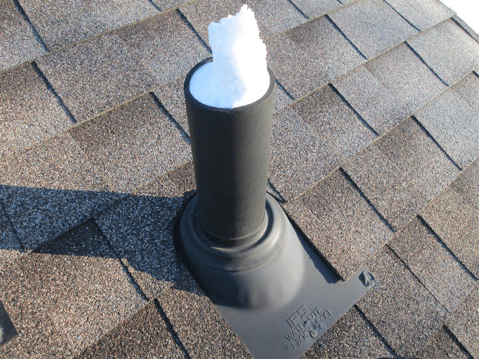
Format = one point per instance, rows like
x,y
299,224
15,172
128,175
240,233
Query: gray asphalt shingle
x,y
406,77
61,23
29,112
444,44
324,44
464,322
422,13
133,144
164,45
273,16
10,247
372,26
468,88
37,335
321,124
340,223
78,289
199,325
17,39
443,345
315,8
467,184
350,337
140,230
454,125
374,102
401,309
143,335
50,189
92,77
401,172
457,224
80,283
432,263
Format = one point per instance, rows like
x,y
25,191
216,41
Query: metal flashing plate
x,y
287,332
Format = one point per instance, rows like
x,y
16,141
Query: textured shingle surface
x,y
37,335
199,325
433,264
457,224
467,184
340,223
10,247
140,230
422,13
444,44
326,46
374,102
351,336
164,45
443,345
468,89
17,39
144,335
372,26
62,23
406,77
133,144
29,112
85,74
50,189
401,172
315,8
454,125
402,310
464,323
78,287
273,16
321,123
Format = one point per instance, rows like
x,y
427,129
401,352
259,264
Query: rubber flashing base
x,y
273,289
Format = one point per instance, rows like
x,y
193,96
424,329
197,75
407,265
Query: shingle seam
x,y
275,193
152,3
362,120
26,18
131,279
170,328
444,245
286,91
346,38
463,25
12,227
53,92
456,340
415,276
170,118
365,198
375,330
193,30
298,9
428,134
425,63
404,18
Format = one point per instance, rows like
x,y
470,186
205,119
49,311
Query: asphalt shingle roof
x,y
374,157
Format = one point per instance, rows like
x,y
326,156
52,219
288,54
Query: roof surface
x,y
374,156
